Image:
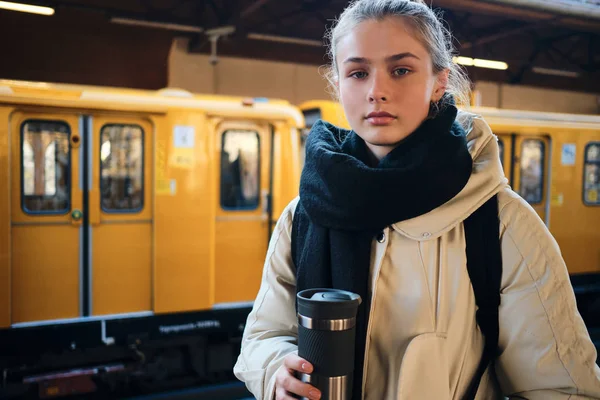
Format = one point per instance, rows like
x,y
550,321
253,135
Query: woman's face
x,y
386,82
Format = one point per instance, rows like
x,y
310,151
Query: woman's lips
x,y
380,118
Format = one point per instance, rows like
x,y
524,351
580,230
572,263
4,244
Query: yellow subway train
x,y
132,222
134,225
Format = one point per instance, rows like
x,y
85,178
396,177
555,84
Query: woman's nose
x,y
378,92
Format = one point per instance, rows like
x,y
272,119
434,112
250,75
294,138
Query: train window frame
x,y
543,169
69,167
259,166
143,167
585,163
501,149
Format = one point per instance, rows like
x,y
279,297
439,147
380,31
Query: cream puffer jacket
x,y
423,341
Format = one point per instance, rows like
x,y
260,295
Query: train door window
x,y
303,136
591,177
122,168
240,170
45,167
532,170
501,148
311,116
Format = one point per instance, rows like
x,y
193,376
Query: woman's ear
x,y
441,84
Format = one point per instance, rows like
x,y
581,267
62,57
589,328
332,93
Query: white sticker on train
x,y
568,154
184,137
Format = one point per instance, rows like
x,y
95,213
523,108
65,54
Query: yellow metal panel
x,y
4,219
121,268
184,218
45,272
240,258
573,224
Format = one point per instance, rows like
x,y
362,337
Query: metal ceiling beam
x,y
502,33
575,9
279,18
505,10
252,8
518,77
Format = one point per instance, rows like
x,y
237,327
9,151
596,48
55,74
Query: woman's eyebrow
x,y
400,56
395,57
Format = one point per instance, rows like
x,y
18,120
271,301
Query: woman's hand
x,y
287,385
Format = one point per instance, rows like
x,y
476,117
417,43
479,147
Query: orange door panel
x,y
120,214
243,157
46,216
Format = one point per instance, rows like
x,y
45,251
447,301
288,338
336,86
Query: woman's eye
x,y
358,75
400,71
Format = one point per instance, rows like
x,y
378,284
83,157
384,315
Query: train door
x,y
530,171
526,163
80,215
45,227
243,207
120,214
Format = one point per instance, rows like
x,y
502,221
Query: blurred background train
x,y
134,225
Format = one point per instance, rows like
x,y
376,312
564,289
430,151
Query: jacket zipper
x,y
371,308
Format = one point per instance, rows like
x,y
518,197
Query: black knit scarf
x,y
344,203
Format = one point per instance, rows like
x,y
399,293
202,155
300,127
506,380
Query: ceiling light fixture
x,y
28,8
555,72
478,62
285,39
154,24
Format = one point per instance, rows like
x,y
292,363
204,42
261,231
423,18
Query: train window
x,y
501,148
591,177
303,136
532,170
240,170
45,167
311,116
121,168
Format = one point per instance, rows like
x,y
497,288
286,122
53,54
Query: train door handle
x,y
77,215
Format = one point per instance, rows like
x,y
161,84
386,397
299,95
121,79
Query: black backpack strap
x,y
484,264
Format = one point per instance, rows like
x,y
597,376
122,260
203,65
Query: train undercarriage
x,y
114,358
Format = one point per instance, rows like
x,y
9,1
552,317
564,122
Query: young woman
x,y
382,212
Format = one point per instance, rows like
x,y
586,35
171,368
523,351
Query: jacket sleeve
x,y
271,330
545,349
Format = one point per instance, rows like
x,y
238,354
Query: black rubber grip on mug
x,y
330,352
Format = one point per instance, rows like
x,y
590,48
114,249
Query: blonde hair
x,y
427,26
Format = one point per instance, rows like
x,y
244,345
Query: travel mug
x,y
326,332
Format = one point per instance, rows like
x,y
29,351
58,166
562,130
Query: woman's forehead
x,y
379,39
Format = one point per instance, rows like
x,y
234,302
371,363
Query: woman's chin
x,y
383,136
